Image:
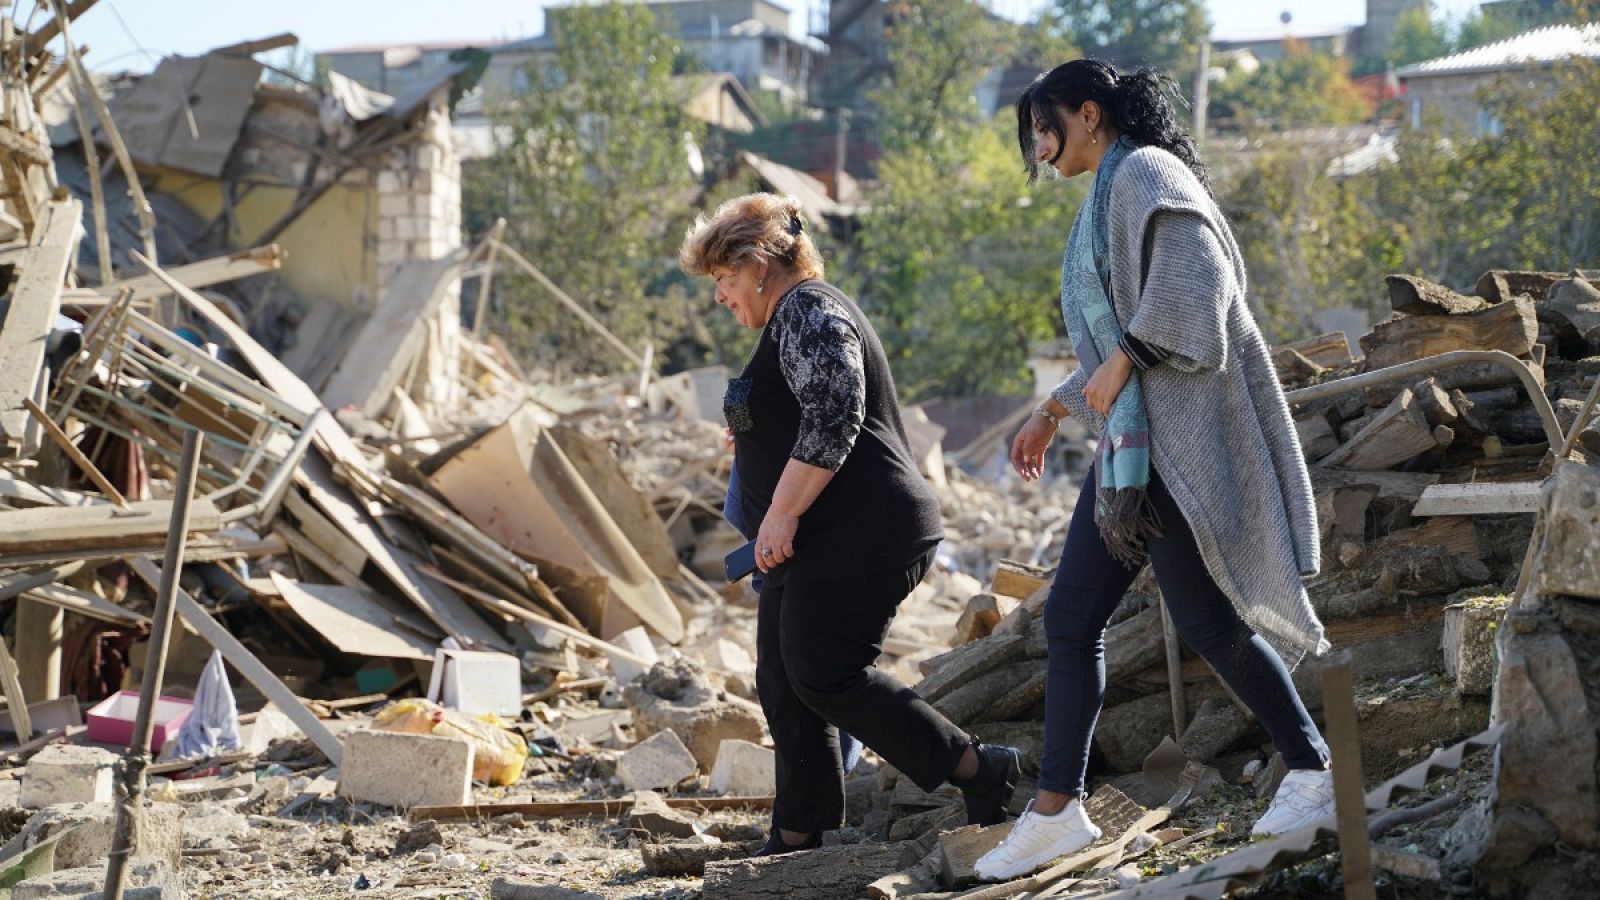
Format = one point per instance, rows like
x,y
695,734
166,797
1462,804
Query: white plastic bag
x,y
213,724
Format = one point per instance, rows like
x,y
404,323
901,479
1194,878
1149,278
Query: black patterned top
x,y
819,352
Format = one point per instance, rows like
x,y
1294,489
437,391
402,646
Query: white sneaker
x,y
1035,840
1304,797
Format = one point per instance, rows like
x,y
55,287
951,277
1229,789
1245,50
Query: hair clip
x,y
796,226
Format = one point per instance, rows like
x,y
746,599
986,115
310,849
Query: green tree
x,y
591,179
957,259
1165,34
1303,88
1417,37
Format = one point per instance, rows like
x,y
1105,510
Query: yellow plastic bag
x,y
498,754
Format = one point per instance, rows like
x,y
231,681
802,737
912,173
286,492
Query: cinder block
x,y
67,773
396,204
405,770
744,769
89,827
659,762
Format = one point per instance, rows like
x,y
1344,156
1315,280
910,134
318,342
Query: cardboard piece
x,y
518,487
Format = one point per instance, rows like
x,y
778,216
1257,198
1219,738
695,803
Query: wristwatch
x,y
1041,411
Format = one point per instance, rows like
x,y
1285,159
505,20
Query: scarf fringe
x,y
1126,518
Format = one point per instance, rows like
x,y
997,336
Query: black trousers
x,y
1089,585
816,642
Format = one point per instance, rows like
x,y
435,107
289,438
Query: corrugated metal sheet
x,y
1542,45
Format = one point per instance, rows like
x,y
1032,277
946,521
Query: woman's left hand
x,y
1107,382
777,535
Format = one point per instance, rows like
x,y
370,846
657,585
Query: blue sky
x,y
116,29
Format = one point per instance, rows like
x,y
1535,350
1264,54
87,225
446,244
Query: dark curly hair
x,y
1137,105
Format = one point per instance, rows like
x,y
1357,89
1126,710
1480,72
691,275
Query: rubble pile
x,y
448,626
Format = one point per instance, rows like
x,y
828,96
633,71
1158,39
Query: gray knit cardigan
x,y
1221,436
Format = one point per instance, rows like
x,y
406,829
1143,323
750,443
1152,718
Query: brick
x,y
405,770
744,770
158,834
652,817
397,204
660,761
66,773
1468,642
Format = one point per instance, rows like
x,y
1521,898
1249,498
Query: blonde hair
x,y
747,229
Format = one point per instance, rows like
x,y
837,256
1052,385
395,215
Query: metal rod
x,y
137,758
1409,370
1180,708
576,307
487,278
1582,419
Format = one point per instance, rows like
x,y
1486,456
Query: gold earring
x,y
761,286
1094,137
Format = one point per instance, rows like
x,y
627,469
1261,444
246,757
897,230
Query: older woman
x,y
848,526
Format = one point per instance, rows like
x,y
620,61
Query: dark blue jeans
x,y
1088,587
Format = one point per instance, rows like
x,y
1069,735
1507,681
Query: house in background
x,y
1449,87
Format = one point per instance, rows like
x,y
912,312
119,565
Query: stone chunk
x,y
744,769
652,817
1569,554
150,879
88,827
406,770
1468,642
1547,755
676,697
67,773
659,761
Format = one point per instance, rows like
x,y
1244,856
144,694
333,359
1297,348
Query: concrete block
x,y
636,641
150,879
157,835
1569,555
744,770
730,658
659,761
512,889
388,182
405,770
67,773
1468,642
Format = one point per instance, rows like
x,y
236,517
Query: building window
x,y
1488,124
1416,112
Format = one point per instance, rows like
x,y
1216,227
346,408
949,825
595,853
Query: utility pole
x,y
1202,90
842,129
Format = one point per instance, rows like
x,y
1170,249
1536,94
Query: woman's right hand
x,y
1027,450
727,439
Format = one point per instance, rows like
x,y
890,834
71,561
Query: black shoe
x,y
988,792
775,845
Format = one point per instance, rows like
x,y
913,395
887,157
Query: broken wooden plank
x,y
1326,351
102,529
1511,327
85,604
31,312
969,661
1491,498
1344,739
577,809
355,620
246,664
205,273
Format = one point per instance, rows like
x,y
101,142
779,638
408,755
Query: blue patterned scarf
x,y
1122,510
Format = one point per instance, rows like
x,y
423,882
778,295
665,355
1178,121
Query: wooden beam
x,y
36,41
247,664
97,530
1483,499
198,275
1344,738
84,464
556,809
32,313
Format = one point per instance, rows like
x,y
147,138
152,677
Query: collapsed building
x,y
391,530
